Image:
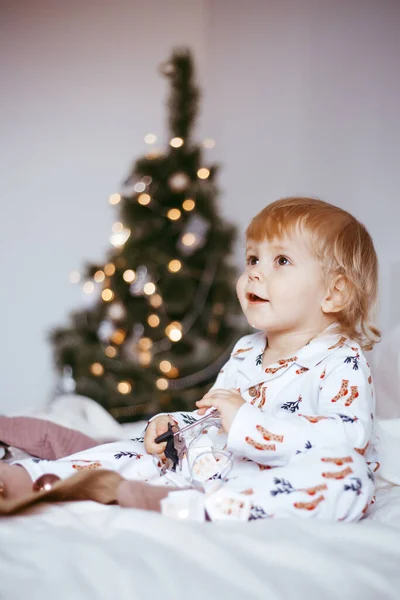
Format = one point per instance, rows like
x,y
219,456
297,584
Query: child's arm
x,y
344,417
225,379
159,423
183,418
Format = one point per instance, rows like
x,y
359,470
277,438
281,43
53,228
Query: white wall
x,y
301,96
80,89
305,100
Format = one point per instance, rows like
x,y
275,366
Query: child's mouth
x,y
254,298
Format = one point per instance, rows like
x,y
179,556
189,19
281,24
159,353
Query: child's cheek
x,y
240,289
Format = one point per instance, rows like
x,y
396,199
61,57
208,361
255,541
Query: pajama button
x,y
253,391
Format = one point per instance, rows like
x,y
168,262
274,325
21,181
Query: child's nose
x,y
255,273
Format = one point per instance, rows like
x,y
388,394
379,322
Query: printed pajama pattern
x,y
303,442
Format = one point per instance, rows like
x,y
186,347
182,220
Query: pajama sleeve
x,y
183,418
343,418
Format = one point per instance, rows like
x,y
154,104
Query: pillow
x,y
388,446
384,361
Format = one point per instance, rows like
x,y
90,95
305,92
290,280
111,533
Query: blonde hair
x,y
342,245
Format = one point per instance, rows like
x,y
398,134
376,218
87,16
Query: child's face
x,y
282,287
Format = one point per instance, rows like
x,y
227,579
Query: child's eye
x,y
282,261
251,260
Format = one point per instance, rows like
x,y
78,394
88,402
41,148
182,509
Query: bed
x,y
87,550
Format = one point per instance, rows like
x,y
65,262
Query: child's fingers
x,y
157,449
218,394
234,391
216,391
162,425
152,448
149,436
154,429
203,403
206,403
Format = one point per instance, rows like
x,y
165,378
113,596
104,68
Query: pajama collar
x,y
249,353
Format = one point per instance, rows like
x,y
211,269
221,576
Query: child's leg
x,y
126,457
319,483
15,483
138,494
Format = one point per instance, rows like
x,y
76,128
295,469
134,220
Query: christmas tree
x,y
165,315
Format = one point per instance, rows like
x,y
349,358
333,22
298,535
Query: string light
x,y
118,337
150,138
109,269
99,276
162,383
155,300
209,143
145,343
145,358
129,276
107,295
154,154
173,373
174,214
188,239
174,265
165,366
97,369
124,387
175,335
174,331
203,173
176,142
88,287
119,238
173,325
114,198
188,204
144,199
74,277
117,227
110,351
149,288
153,320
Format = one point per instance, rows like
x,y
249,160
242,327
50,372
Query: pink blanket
x,y
41,438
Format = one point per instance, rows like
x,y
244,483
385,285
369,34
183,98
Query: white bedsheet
x,y
88,551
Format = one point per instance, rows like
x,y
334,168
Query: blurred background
x,y
300,96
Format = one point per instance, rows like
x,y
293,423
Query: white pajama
x,y
302,443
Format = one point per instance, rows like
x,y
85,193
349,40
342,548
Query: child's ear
x,y
337,295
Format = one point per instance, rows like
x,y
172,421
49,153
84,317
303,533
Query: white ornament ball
x,y
105,331
179,182
116,311
167,68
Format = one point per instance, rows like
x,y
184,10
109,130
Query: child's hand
x,y
155,428
227,402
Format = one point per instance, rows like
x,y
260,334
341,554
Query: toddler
x,y
296,398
